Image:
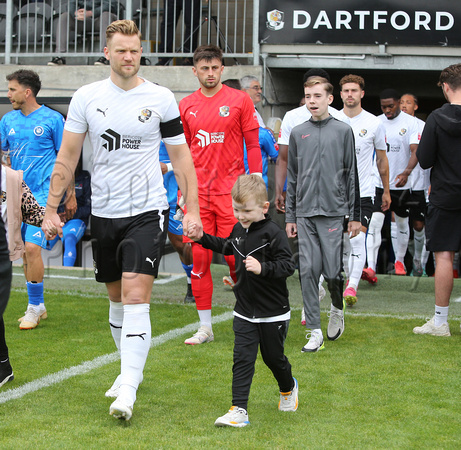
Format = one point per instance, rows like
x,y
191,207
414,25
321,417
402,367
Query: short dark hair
x,y
389,93
26,78
357,79
207,52
233,83
452,76
316,72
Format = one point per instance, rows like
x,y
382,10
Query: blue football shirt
x,y
33,142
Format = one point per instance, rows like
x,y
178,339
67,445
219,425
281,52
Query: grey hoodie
x,y
440,148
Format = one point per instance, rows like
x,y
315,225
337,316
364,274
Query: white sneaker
x,y
235,417
430,328
114,390
322,293
335,324
204,334
31,319
289,400
315,342
121,410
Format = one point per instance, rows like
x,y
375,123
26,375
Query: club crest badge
x,y
145,115
38,130
403,132
224,111
275,20
363,132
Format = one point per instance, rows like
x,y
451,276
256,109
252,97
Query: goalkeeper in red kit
x,y
216,120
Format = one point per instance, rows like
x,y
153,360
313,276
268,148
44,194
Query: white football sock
x,y
441,315
205,317
374,239
419,242
356,259
403,235
346,254
116,321
134,348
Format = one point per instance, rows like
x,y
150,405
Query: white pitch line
x,y
98,362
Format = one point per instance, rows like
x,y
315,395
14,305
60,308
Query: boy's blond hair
x,y
312,81
249,187
125,27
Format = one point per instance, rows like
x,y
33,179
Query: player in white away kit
x,y
125,117
369,136
419,193
402,140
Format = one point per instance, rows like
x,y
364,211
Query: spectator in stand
x,y
83,16
171,12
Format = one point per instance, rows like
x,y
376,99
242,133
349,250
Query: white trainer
x,y
114,390
315,342
121,410
289,400
430,328
235,417
204,334
335,324
31,319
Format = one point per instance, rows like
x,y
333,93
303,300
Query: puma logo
x,y
137,335
102,112
150,261
194,113
198,275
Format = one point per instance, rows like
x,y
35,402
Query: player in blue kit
x,y
31,136
175,230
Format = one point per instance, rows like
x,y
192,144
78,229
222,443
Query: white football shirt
x,y
401,132
369,135
124,131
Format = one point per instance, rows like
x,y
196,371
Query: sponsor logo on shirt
x,y
206,138
38,131
224,111
145,116
115,141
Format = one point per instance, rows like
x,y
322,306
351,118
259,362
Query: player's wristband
x,y
257,173
169,166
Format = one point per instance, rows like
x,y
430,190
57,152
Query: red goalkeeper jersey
x,y
214,129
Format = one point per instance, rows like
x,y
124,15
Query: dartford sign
x,y
413,22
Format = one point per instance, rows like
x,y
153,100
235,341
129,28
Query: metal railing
x,y
31,31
